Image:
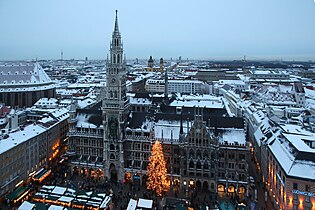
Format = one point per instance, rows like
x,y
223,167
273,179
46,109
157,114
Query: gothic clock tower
x,y
115,108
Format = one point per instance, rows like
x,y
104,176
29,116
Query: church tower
x,y
115,108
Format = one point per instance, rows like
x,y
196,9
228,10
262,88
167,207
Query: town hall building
x,y
204,144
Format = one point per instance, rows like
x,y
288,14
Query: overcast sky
x,y
204,29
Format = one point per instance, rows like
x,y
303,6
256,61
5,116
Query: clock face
x,y
113,80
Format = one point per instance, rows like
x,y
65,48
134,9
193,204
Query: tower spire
x,y
166,87
116,29
181,130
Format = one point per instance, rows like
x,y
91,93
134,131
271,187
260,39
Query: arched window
x,y
206,166
184,154
191,164
112,147
191,154
205,155
198,154
198,165
118,58
114,58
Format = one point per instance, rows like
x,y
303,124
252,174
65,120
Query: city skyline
x,y
195,30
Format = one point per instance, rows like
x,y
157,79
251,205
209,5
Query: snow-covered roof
x,y
298,142
17,78
66,91
65,199
132,205
83,120
309,93
83,85
46,103
85,102
20,137
232,82
145,203
23,75
140,101
232,135
169,130
59,190
175,81
198,103
54,207
26,206
295,129
293,167
60,114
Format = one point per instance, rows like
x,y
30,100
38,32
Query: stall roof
x,y
19,191
132,204
145,203
26,206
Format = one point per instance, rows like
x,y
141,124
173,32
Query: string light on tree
x,y
156,171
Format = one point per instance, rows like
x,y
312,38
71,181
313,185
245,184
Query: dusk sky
x,y
200,29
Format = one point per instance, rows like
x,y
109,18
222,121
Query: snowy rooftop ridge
x,y
27,75
207,101
20,137
287,158
170,130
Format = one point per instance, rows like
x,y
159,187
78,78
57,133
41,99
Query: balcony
x,y
85,134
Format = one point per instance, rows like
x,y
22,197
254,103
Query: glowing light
x,y
31,174
19,183
156,170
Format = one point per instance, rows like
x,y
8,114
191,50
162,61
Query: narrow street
x,y
258,201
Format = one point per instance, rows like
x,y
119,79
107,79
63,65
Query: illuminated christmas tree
x,y
156,170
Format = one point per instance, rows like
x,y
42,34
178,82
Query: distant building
x,y
265,75
23,85
176,86
155,68
150,62
209,75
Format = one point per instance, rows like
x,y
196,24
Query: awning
x,y
41,175
19,193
